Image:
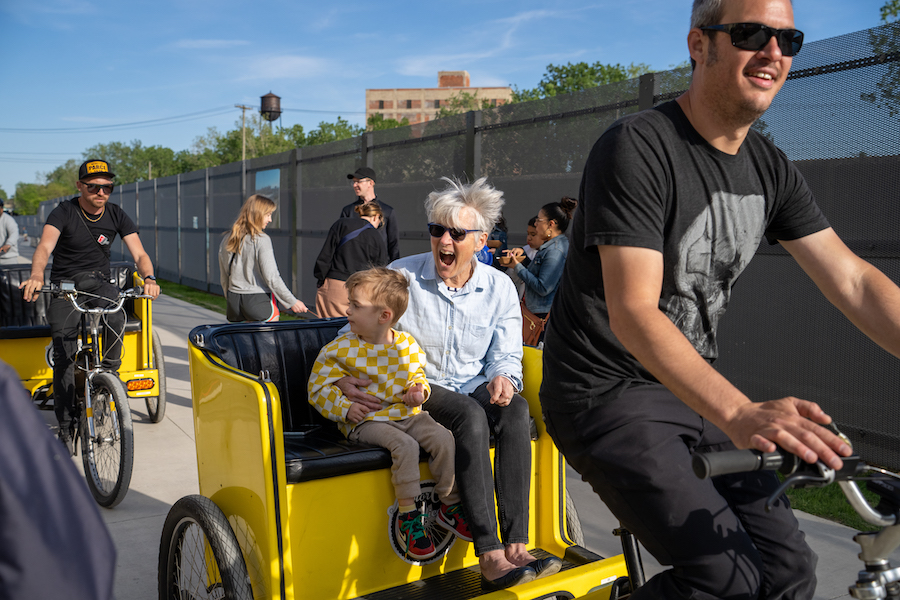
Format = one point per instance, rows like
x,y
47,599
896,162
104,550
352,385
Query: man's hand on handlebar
x,y
791,423
32,288
151,288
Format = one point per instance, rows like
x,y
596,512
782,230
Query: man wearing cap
x,y
364,186
9,239
79,234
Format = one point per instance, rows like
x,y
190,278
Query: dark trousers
x,y
471,420
715,534
64,328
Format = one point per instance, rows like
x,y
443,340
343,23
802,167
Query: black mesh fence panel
x,y
838,118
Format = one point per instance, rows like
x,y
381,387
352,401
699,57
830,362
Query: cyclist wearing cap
x,y
364,187
674,202
79,234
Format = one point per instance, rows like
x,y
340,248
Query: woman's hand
x,y
354,389
415,395
512,257
501,390
299,307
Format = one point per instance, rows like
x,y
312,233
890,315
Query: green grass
x,y
213,302
827,503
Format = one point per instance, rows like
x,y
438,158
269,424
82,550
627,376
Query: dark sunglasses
x,y
457,235
754,37
93,188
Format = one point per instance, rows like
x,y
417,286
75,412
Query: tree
x,y
576,77
377,122
332,132
136,162
461,103
3,194
890,11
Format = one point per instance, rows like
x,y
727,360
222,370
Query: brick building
x,y
422,104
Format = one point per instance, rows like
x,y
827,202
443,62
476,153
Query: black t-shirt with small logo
x,y
84,244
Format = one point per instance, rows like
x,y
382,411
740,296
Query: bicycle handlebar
x,y
800,474
71,295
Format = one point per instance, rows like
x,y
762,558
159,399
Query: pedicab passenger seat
x,y
20,319
314,448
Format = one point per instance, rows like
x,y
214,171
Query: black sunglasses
x,y
457,235
93,188
755,36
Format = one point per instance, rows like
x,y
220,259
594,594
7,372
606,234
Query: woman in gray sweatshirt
x,y
249,274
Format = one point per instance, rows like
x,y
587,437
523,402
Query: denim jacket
x,y
469,336
543,274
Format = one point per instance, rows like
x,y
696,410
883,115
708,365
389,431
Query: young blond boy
x,y
393,360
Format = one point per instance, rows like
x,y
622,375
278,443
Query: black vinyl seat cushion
x,y
285,352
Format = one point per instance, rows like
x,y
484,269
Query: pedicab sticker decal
x,y
48,354
442,538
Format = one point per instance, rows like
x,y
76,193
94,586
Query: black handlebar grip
x,y
710,464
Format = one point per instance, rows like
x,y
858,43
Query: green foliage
x,y
136,162
332,132
3,194
377,122
577,77
890,11
461,103
830,503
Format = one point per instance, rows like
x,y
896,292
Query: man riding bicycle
x,y
79,234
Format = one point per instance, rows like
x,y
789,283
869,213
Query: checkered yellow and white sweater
x,y
393,369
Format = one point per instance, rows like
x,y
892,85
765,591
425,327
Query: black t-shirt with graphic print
x,y
84,245
652,181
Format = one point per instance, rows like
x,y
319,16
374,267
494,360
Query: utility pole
x,y
244,110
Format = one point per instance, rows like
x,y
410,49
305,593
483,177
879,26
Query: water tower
x,y
270,107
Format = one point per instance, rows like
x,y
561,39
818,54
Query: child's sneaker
x,y
451,518
410,532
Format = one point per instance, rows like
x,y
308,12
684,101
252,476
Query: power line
x,y
135,125
213,112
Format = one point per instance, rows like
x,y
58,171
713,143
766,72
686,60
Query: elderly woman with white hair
x,y
465,315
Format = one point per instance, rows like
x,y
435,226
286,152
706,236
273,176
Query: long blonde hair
x,y
249,221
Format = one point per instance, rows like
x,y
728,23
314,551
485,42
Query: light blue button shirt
x,y
470,336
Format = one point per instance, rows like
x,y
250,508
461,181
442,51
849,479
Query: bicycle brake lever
x,y
826,476
831,426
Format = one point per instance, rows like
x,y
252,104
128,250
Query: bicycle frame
x,y
91,339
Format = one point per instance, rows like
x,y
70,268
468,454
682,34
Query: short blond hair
x,y
387,288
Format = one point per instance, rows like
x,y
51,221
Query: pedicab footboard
x,y
312,511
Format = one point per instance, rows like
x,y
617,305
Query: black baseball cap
x,y
363,173
94,168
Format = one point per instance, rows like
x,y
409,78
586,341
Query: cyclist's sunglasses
x,y
457,235
754,37
93,188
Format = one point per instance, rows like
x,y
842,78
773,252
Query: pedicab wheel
x,y
199,555
156,405
573,522
108,457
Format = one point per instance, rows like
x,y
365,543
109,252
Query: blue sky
x,y
75,64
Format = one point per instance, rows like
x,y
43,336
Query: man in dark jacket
x,y
364,186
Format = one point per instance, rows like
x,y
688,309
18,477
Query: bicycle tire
x,y
156,405
195,530
108,457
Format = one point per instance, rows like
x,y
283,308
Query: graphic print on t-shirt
x,y
713,252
